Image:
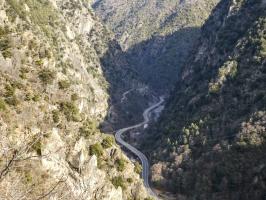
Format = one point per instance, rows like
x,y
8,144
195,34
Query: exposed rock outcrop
x,y
53,95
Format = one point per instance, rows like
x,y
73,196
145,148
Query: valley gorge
x,y
132,100
156,36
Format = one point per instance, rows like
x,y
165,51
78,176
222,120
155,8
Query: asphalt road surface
x,y
142,157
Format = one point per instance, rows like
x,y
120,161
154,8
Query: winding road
x,y
124,96
142,157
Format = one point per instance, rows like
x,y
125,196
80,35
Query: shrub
x,y
129,180
39,62
74,97
7,53
36,98
23,72
96,149
5,47
13,101
17,9
120,164
64,84
70,111
88,128
138,168
10,90
2,105
55,116
37,146
108,142
47,76
4,31
28,177
16,84
119,182
28,97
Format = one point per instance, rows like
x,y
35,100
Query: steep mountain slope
x,y
137,21
156,35
54,87
210,142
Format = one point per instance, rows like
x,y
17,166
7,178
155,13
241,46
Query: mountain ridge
x,y
211,136
156,36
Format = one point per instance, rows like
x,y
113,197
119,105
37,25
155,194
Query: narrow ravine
x,y
139,154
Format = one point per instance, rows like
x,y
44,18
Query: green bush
x,y
16,84
28,97
28,177
37,146
39,62
5,47
22,75
13,101
138,168
74,97
10,97
7,53
119,182
120,164
4,31
55,116
108,142
129,180
16,9
2,105
36,98
96,149
9,90
64,84
88,128
70,111
47,76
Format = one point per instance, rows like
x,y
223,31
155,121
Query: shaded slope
x,y
214,122
155,35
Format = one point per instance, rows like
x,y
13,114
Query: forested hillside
x,y
155,35
210,140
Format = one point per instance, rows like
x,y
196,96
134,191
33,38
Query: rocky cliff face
x,y
156,35
211,137
53,95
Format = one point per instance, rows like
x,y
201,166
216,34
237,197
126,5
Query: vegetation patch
x,y
74,97
119,182
56,116
64,84
10,97
47,76
88,128
129,180
70,111
37,146
138,168
120,164
36,98
5,42
96,149
108,142
2,105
